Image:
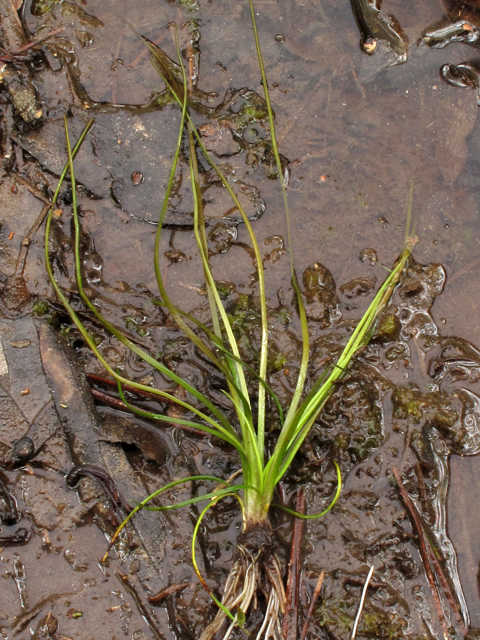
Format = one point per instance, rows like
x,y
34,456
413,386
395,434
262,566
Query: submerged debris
x,y
465,74
103,479
20,537
376,26
15,74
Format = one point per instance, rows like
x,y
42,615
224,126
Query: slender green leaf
x,y
194,558
219,433
302,374
207,496
153,495
261,280
314,516
132,346
160,62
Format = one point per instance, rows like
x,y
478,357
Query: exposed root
x,y
256,569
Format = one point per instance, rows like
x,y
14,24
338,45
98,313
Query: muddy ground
x,y
355,133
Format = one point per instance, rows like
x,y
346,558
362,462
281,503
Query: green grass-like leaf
x,y
314,516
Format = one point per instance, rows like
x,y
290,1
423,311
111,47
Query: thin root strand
x,y
252,572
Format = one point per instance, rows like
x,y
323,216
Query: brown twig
x,y
132,585
18,55
92,377
39,41
116,403
417,525
316,593
168,591
443,580
35,191
38,222
22,256
27,241
290,620
433,556
422,491
109,400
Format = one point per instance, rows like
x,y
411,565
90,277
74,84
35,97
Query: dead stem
x,y
316,593
423,548
131,584
168,591
36,192
432,554
427,507
290,620
92,377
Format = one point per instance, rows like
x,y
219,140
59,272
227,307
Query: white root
x,y
362,600
252,572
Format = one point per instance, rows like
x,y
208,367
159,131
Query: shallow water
x,y
357,133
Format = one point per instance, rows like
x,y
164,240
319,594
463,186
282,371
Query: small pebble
x,y
24,449
137,178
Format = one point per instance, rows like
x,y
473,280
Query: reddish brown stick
x,y
109,400
168,591
432,555
443,580
290,620
39,41
316,593
139,392
417,525
118,404
35,192
422,490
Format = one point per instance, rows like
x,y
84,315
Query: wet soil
x,y
355,133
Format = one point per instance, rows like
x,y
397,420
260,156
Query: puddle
x,y
355,133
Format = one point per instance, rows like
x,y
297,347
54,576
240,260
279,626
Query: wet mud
x,y
356,125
